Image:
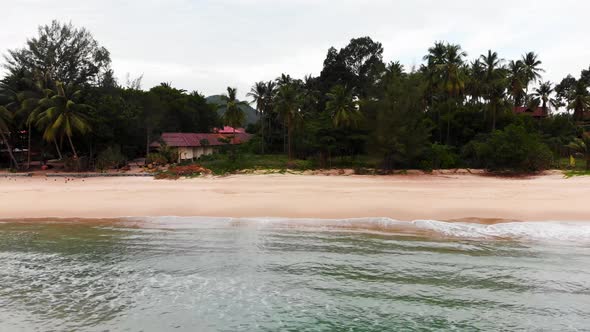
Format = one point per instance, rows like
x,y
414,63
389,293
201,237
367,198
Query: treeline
x,y
449,112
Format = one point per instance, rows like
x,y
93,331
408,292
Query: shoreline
x,y
399,197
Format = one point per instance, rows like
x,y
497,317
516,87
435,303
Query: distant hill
x,y
251,116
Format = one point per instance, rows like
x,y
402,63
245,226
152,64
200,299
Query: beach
x,y
401,197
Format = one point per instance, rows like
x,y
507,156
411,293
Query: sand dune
x,y
448,197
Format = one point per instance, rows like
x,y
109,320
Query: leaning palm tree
x,y
288,105
343,107
259,97
63,117
5,121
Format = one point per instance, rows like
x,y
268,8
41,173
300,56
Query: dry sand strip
x,y
448,197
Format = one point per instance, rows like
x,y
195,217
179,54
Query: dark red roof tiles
x,y
196,140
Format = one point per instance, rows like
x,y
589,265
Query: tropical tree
x,y
64,117
516,78
542,95
582,145
579,101
234,115
343,107
5,121
259,95
531,69
288,105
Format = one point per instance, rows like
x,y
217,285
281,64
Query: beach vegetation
x,y
60,99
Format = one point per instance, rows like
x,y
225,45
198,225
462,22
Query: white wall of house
x,y
189,153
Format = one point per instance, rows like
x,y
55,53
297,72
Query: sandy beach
x,y
440,197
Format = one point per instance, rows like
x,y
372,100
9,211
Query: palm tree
x,y
532,69
64,117
288,106
516,79
344,108
543,94
580,101
259,95
453,80
582,145
234,115
5,121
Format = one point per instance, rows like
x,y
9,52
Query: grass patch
x,y
221,164
573,173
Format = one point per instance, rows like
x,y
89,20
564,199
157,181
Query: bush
x,y
111,157
512,149
176,172
440,157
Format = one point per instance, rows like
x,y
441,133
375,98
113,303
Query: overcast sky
x,y
207,45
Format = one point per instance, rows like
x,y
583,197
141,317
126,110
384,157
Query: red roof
x,y
229,130
196,140
538,113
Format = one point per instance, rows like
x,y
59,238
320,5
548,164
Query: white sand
x,y
447,197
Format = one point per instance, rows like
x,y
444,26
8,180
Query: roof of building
x,y
537,113
197,140
229,130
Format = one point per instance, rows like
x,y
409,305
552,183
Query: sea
x,y
269,274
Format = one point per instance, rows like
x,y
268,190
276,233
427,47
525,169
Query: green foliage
x,y
511,149
111,157
440,157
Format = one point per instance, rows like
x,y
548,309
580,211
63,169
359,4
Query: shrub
x,y
511,149
111,157
439,157
177,172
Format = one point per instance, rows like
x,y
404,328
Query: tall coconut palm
x,y
64,117
234,115
344,108
5,121
580,100
288,105
516,79
532,69
258,94
543,94
453,79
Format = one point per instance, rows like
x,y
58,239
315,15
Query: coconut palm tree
x,y
344,108
64,117
517,81
259,95
5,121
580,101
543,94
288,105
234,115
532,69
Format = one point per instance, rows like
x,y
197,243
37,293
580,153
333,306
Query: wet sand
x,y
440,197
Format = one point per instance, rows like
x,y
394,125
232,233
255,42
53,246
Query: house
x,y
191,146
538,113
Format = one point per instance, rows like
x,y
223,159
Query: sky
x,y
207,45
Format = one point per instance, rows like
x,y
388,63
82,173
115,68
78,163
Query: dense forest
x,y
59,99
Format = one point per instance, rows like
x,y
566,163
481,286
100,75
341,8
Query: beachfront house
x,y
191,146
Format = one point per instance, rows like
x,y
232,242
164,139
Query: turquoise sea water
x,y
205,274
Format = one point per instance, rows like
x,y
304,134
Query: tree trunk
x,y
10,153
493,119
147,143
72,146
587,161
58,150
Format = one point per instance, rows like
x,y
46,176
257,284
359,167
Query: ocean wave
x,y
537,231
